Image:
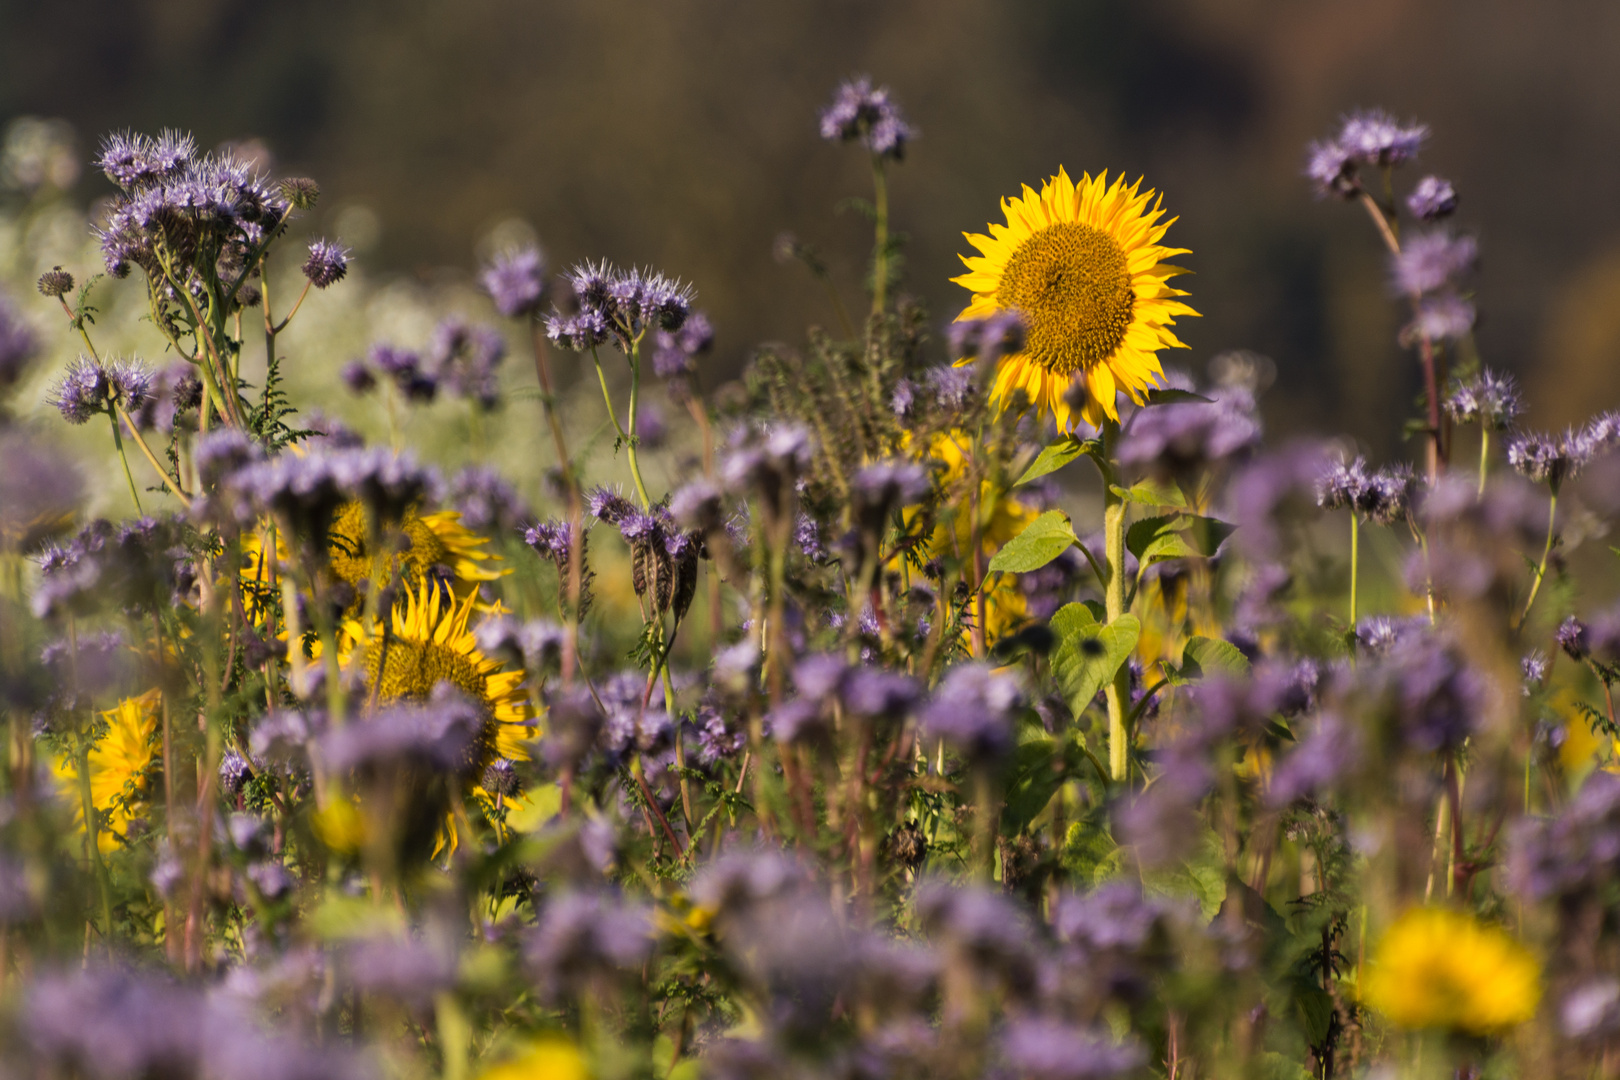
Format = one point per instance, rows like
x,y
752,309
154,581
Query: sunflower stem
x,y
1118,690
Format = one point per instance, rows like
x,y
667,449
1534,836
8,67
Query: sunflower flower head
x,y
1083,265
1446,969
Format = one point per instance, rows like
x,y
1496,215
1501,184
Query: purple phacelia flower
x,y
606,504
973,710
18,343
989,338
1374,137
1331,169
1489,399
675,352
1042,1049
485,500
1443,318
858,112
516,281
327,263
1432,261
1574,638
1432,199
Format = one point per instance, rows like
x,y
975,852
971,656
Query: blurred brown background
x,y
682,133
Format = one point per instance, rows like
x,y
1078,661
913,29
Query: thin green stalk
x,y
635,401
1118,691
92,844
1546,553
1355,563
1484,454
880,216
118,441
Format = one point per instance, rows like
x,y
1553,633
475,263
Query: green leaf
x,y
1202,875
1088,653
1151,493
1169,395
1175,536
1057,455
1042,540
1033,778
1202,656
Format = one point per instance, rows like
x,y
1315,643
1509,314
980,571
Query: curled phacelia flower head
x,y
1574,638
326,264
988,339
861,113
1446,317
1331,169
676,352
1432,199
618,305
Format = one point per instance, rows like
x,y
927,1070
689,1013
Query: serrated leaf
x,y
1057,455
1151,493
1088,653
1170,395
1042,540
1175,536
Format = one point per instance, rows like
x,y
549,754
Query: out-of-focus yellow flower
x,y
120,765
543,1059
1445,969
1000,516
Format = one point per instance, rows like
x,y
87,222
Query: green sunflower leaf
x,y
1042,540
1057,455
1088,653
1151,493
1175,536
1202,656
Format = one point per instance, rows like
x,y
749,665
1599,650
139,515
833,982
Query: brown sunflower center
x,y
1073,287
412,669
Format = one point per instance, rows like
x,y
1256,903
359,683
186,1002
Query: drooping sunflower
x,y
121,764
1083,265
429,643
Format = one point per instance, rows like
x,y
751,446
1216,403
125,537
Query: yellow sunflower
x,y
429,643
120,765
1082,264
1446,969
437,540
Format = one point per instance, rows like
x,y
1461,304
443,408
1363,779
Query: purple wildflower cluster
x,y
618,305
180,206
1368,138
1384,495
859,113
516,281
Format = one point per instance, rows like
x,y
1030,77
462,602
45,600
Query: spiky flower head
x,y
1446,317
55,283
301,192
1432,199
861,113
1489,398
327,263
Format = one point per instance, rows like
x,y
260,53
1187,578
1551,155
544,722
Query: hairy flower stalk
x,y
1117,692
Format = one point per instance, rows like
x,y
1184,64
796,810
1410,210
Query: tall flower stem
x,y
1355,563
1546,553
123,458
1118,691
1484,454
880,228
